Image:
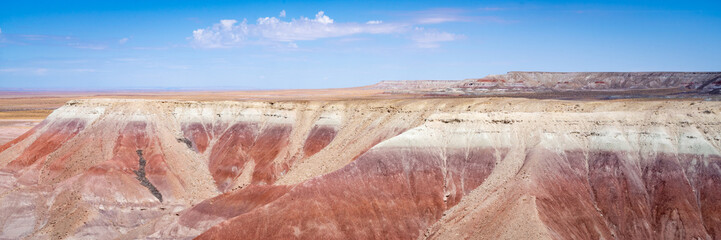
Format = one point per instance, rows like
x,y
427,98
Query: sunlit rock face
x,y
357,169
559,81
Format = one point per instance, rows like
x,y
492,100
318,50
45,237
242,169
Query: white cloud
x,y
123,41
282,13
87,46
1,30
228,23
272,31
225,33
230,33
322,18
435,20
430,38
449,15
441,15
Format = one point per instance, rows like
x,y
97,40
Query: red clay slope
x,y
434,168
386,193
397,193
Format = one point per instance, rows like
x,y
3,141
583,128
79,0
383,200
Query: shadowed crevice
x,y
186,141
144,180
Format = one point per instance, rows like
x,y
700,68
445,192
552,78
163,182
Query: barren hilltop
x,y
522,155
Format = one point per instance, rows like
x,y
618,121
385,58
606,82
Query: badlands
x,y
524,155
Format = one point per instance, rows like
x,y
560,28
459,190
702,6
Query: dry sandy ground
x,y
20,111
11,128
532,167
32,105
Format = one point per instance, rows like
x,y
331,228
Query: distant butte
x,y
524,155
567,85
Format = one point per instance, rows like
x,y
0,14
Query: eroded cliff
x,y
414,168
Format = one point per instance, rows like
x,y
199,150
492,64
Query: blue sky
x,y
111,45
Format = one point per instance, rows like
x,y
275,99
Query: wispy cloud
x,y
127,59
231,33
449,15
88,46
283,34
53,40
123,41
282,14
42,38
34,71
41,71
439,19
431,38
440,15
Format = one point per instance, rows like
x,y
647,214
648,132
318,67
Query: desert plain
x,y
523,155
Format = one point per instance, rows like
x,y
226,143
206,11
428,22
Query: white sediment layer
x,y
639,128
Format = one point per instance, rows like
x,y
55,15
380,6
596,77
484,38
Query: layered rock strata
x,y
424,168
584,81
